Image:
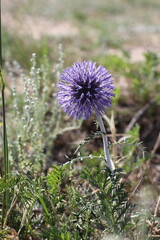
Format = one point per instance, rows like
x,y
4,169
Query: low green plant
x,y
43,209
146,78
131,150
115,63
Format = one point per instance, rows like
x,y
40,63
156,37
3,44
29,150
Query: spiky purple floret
x,y
85,89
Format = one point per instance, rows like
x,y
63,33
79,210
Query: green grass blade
x,y
5,143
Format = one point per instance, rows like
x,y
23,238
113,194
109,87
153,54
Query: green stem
x,y
6,171
5,143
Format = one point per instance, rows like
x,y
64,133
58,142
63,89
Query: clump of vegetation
x,y
39,206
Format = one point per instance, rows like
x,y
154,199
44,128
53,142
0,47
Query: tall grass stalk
x,y
5,143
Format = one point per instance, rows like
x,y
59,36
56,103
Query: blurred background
x,y
86,29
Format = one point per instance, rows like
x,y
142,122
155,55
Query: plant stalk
x,y
6,171
109,161
5,143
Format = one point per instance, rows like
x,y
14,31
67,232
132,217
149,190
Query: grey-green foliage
x,y
35,114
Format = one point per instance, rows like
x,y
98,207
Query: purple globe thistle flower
x,y
85,89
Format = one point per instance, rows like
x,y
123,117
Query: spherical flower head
x,y
85,89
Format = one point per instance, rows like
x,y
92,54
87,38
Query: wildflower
x,y
85,89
